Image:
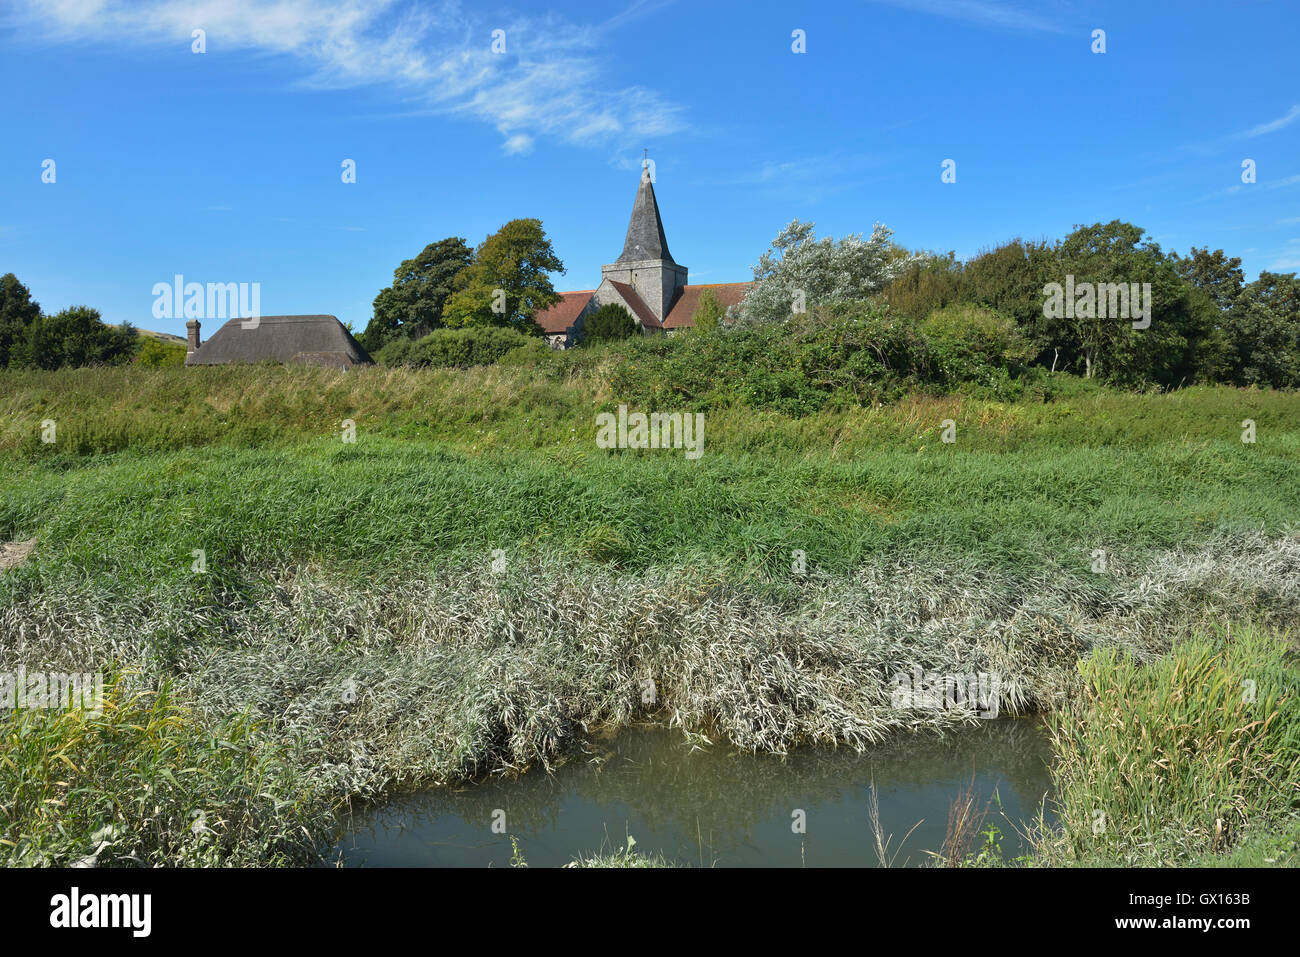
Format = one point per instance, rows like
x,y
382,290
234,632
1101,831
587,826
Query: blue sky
x,y
225,166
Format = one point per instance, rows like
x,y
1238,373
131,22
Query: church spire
x,y
645,233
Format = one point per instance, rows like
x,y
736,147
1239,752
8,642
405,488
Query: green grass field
x,y
372,563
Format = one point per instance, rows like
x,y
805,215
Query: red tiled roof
x,y
633,299
561,316
682,313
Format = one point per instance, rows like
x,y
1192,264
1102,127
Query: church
x,y
645,280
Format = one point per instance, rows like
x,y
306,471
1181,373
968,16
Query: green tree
x,y
1264,328
1220,277
508,282
1111,347
709,312
18,312
608,323
76,337
1215,282
412,306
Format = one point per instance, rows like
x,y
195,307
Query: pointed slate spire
x,y
645,233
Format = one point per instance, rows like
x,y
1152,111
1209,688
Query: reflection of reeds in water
x,y
655,776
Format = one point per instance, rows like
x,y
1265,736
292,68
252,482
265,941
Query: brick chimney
x,y
192,327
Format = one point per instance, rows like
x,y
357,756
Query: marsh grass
x,y
1176,761
625,856
107,410
967,814
147,782
883,843
384,504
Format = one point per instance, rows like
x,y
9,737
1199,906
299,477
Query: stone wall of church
x,y
655,280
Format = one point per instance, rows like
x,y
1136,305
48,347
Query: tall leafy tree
x,y
800,271
1111,347
18,312
1215,282
508,282
1220,277
412,306
1264,326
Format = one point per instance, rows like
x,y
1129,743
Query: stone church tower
x,y
646,264
645,280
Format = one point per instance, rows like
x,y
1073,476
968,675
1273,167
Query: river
x,y
713,806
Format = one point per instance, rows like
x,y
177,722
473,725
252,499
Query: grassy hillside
x,y
450,465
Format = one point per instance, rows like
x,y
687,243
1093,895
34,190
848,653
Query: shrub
x,y
454,348
971,344
929,283
709,314
159,352
607,324
851,353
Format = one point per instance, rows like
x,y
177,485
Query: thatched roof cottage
x,y
291,340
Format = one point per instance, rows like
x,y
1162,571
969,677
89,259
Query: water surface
x,y
715,806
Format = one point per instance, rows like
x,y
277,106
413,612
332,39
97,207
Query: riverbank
x,y
293,625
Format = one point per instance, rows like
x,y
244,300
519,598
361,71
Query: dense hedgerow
x,y
848,355
455,348
851,355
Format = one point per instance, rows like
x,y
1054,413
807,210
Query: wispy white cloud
x,y
1216,144
983,12
551,79
806,169
1288,258
808,178
518,143
1263,184
1272,126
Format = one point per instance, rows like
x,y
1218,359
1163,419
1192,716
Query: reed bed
x,y
1166,763
346,691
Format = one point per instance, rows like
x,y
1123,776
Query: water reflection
x,y
716,806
